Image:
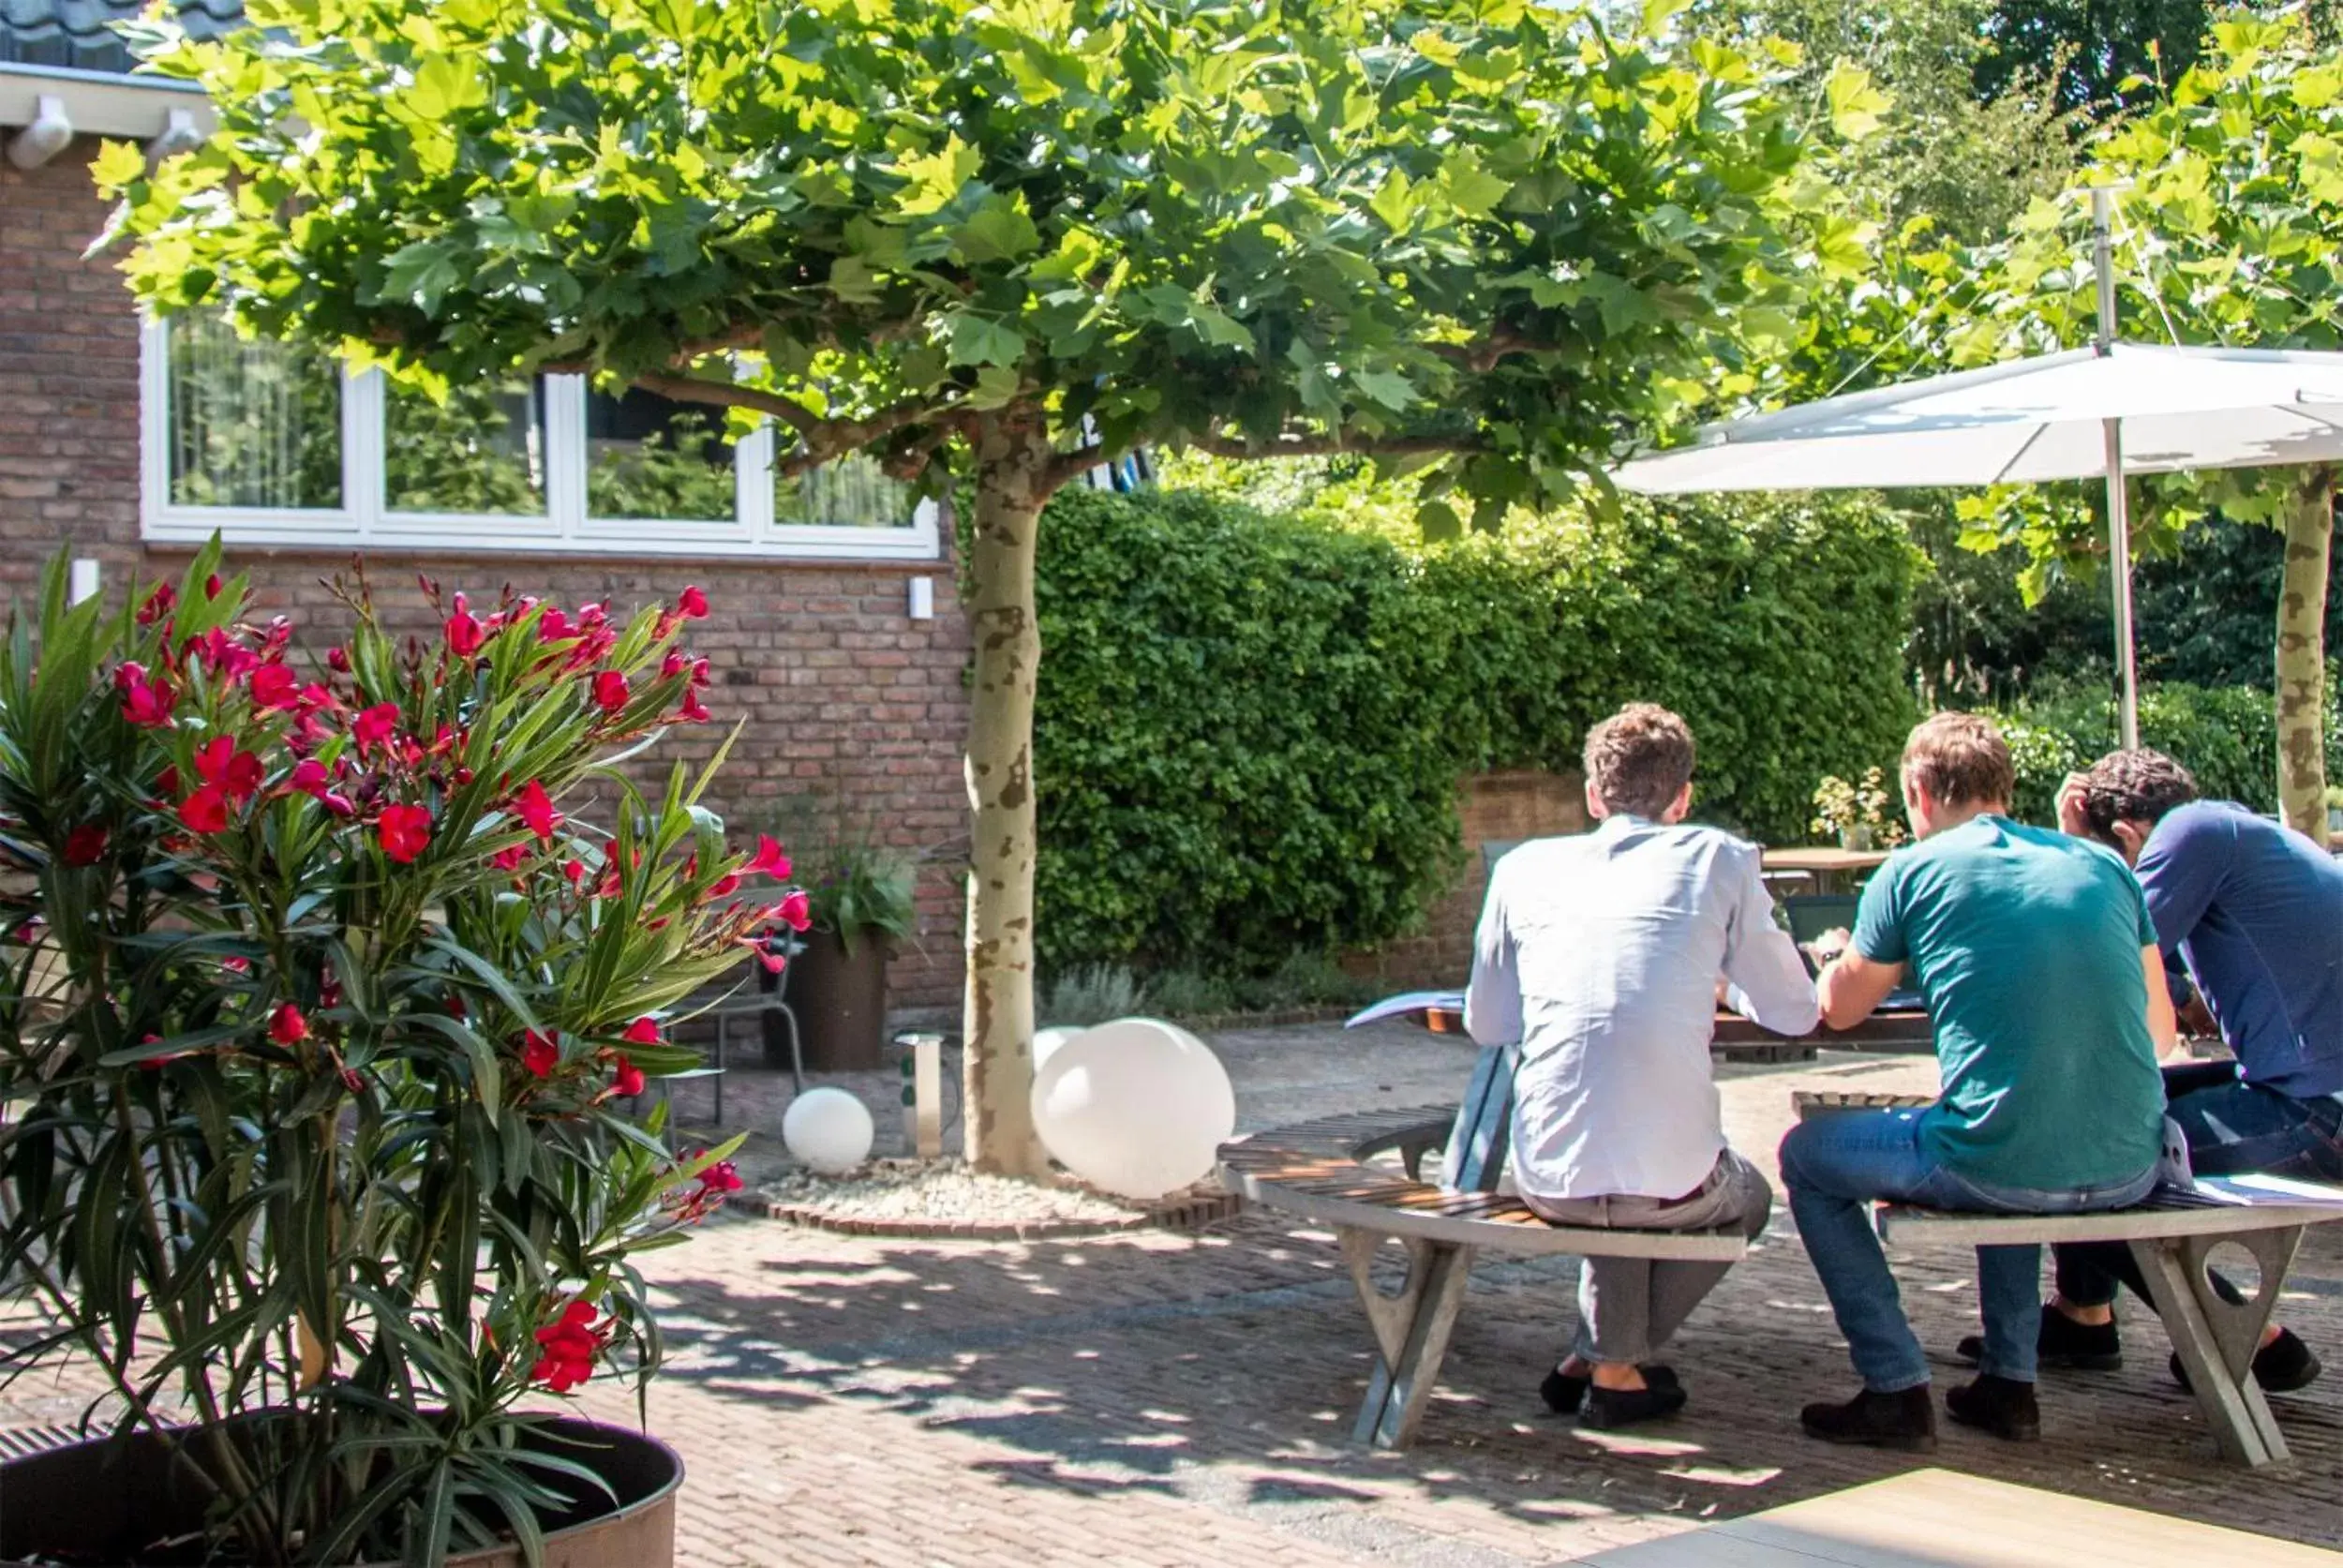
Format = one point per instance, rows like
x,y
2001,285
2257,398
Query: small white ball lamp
x,y
828,1131
1137,1107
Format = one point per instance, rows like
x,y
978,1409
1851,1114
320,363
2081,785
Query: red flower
x,y
773,959
158,605
722,1176
643,1031
769,861
569,1346
610,690
275,686
206,809
144,703
675,664
724,885
510,859
554,626
693,711
628,1081
374,727
464,636
538,1054
211,586
796,911
575,872
405,832
337,660
237,773
85,845
286,1026
691,605
533,806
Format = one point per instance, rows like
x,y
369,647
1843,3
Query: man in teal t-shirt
x,y
2039,965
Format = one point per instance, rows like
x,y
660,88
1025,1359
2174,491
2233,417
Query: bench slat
x,y
1515,1231
1897,1220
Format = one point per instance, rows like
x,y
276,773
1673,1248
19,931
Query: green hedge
x,y
2226,736
1250,729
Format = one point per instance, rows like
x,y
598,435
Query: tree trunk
x,y
2302,664
1013,459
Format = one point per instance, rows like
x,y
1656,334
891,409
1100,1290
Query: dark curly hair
x,y
2137,785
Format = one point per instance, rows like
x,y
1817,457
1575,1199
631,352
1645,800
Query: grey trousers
x,y
1628,1307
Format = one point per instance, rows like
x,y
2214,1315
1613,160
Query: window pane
x,y
648,456
851,492
252,424
485,451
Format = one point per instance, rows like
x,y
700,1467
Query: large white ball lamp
x,y
1137,1107
828,1131
1046,1043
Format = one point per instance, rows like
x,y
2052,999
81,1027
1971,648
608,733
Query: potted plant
x,y
1862,816
859,900
323,1029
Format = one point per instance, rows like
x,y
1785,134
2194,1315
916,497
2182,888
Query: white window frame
x,y
364,521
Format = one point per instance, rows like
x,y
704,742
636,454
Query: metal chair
x,y
741,1004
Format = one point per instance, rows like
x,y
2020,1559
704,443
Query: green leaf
x,y
1471,190
1000,231
420,274
118,165
852,280
934,180
1856,104
1387,387
997,386
1219,329
445,84
980,340
1394,202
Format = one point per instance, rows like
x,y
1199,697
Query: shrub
x,y
319,1029
1091,993
1250,729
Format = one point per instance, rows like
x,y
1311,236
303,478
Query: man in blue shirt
x,y
2046,992
2254,911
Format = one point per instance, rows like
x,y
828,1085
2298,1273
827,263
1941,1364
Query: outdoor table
x,y
1832,868
1899,1032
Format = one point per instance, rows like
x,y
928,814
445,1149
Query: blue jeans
x,y
1836,1165
2233,1129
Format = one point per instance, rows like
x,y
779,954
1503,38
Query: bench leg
x,y
1411,1331
2216,1341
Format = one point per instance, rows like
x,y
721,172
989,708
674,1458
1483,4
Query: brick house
x,y
836,632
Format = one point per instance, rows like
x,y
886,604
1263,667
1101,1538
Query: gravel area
x,y
945,1194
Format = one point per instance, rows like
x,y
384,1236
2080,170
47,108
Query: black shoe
x,y
1904,1420
1609,1409
2280,1366
1563,1394
2064,1343
2001,1406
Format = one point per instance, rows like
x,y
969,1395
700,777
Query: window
x,y
269,444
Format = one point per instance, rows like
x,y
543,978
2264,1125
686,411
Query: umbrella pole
x,y
2119,547
2118,511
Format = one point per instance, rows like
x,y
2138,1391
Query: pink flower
x,y
769,861
540,1055
464,636
554,626
627,1079
643,1031
771,958
691,605
729,883
206,809
144,703
237,773
405,832
693,711
211,586
337,660
796,911
509,859
610,690
275,686
85,845
722,1176
533,806
575,872
286,1026
158,605
374,727
675,664
308,778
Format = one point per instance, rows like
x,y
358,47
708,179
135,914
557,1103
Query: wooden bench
x,y
1319,1170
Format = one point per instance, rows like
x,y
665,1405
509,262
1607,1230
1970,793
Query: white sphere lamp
x,y
1046,1043
828,1131
1138,1107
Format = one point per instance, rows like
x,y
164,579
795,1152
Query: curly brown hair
x,y
2137,785
1639,759
1961,760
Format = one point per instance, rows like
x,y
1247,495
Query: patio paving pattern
x,y
1165,1400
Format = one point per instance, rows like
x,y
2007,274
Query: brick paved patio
x,y
1160,1399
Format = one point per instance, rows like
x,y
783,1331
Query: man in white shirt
x,y
1601,954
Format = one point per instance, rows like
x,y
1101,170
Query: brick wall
x,y
844,695
1495,808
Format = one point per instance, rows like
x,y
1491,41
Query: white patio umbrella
x,y
2112,409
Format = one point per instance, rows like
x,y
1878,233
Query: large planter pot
x,y
97,1502
840,999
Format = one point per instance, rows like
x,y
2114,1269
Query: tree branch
x,y
693,389
1328,446
1068,467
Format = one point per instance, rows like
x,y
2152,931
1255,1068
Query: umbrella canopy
x,y
2027,421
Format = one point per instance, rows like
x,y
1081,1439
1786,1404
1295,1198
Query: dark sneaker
x,y
2063,1343
1609,1409
1563,1394
2001,1406
2280,1366
1904,1420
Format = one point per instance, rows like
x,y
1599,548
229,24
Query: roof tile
x,y
76,35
